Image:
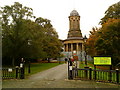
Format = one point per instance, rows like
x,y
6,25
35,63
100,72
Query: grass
x,y
34,68
82,65
38,67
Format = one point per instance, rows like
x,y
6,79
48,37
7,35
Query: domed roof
x,y
74,13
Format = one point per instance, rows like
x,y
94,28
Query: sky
x,y
58,11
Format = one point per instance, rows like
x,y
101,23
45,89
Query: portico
x,y
73,45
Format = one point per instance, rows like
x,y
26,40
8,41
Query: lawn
x,y
38,67
34,68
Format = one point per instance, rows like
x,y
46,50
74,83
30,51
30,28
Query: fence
x,y
8,73
98,75
13,73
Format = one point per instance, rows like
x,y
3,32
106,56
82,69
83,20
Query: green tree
x,y
17,30
112,12
51,43
108,41
25,38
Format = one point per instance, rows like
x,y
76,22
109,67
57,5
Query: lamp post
x,y
86,68
29,43
85,38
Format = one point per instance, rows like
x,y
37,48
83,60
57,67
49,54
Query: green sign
x,y
102,60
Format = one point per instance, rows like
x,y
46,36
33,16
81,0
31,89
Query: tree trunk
x,y
48,60
13,62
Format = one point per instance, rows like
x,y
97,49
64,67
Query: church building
x,y
74,44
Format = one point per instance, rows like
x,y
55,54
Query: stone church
x,y
74,44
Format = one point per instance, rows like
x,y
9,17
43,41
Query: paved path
x,y
55,77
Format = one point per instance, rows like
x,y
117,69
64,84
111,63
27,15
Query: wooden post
x,y
110,74
117,75
90,73
95,72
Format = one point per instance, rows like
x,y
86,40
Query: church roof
x,y
74,13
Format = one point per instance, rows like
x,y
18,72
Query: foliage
x,y
108,42
51,42
112,12
105,40
90,44
25,36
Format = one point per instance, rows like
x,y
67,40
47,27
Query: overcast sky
x,y
91,11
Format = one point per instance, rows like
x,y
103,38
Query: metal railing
x,y
97,75
12,73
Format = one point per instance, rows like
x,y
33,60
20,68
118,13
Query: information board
x,y
102,60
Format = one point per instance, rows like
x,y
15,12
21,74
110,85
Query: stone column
x,y
66,47
71,47
83,49
77,47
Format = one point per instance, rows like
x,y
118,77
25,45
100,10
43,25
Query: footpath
x,y
55,77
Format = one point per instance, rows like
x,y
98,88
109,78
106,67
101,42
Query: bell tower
x,y
74,44
74,25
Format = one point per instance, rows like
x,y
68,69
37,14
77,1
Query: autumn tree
x,y
90,44
108,42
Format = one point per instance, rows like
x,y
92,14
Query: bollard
x,y
117,76
86,72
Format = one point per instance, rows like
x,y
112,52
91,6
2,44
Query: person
x,y
72,59
66,60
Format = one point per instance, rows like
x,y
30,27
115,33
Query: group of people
x,y
70,59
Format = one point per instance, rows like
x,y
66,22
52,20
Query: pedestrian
x,y
72,59
66,60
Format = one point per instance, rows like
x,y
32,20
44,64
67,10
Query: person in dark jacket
x,y
66,60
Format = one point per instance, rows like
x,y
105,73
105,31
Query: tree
x,y
108,42
105,40
51,43
25,38
13,20
90,44
112,12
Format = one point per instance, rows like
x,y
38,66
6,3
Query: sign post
x,y
100,61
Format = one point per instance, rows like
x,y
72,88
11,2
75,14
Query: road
x,y
55,77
